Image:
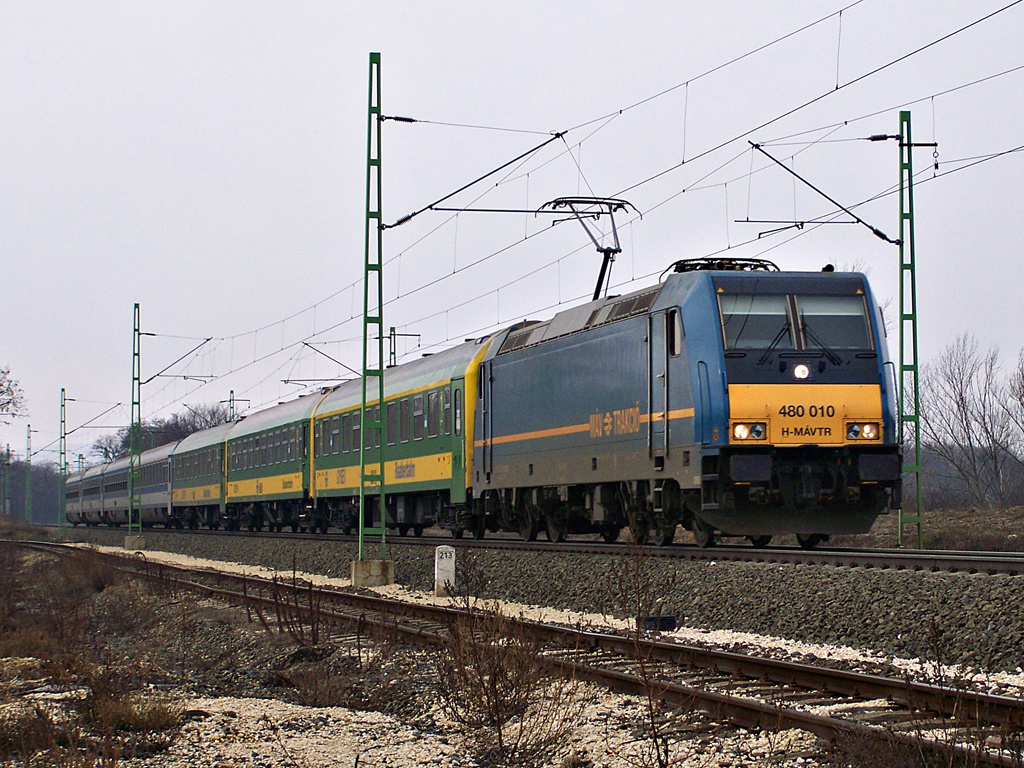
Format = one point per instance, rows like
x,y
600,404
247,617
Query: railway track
x,y
750,691
1008,563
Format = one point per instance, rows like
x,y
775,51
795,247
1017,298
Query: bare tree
x,y
159,432
1015,404
965,422
12,399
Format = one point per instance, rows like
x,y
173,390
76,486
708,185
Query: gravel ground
x,y
972,620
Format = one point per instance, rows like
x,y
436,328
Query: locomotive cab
x,y
803,426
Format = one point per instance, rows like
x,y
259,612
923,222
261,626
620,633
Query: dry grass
x,y
974,530
493,679
54,611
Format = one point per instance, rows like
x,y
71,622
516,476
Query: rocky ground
x,y
971,620
245,697
98,671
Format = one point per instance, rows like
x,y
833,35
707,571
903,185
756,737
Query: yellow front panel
x,y
803,414
200,493
418,470
266,486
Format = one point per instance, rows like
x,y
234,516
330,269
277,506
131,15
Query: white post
x,y
444,571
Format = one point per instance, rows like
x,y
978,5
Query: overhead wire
x,y
820,97
608,118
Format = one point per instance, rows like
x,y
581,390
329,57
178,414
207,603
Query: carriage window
x,y
372,434
756,322
447,410
433,413
356,419
458,411
392,424
317,430
346,433
834,322
336,434
403,419
417,417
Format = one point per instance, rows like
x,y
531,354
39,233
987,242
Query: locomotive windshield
x,y
766,322
834,322
756,322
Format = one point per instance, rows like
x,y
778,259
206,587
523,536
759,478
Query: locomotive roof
x,y
672,292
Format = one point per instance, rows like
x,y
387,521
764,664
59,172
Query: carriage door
x,y
454,424
657,386
486,421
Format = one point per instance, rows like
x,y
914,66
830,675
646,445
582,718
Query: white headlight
x,y
801,371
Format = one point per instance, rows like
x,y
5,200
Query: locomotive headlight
x,y
864,431
749,431
801,371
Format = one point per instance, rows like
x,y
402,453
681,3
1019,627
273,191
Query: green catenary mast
x,y
372,419
5,486
909,395
28,475
63,462
135,436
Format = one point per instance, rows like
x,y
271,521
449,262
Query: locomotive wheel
x,y
555,530
610,533
417,530
705,537
295,527
457,533
759,541
403,530
810,540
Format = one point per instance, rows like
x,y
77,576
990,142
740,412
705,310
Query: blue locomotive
x,y
732,398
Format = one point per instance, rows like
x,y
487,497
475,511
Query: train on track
x,y
731,398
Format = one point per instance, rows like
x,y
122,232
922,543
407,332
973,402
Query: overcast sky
x,y
207,160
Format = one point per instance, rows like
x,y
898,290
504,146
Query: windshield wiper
x,y
775,342
830,353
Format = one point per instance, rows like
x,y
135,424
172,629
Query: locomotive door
x,y
657,384
703,430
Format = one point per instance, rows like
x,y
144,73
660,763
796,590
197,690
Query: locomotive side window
x,y
756,322
834,322
417,417
674,332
